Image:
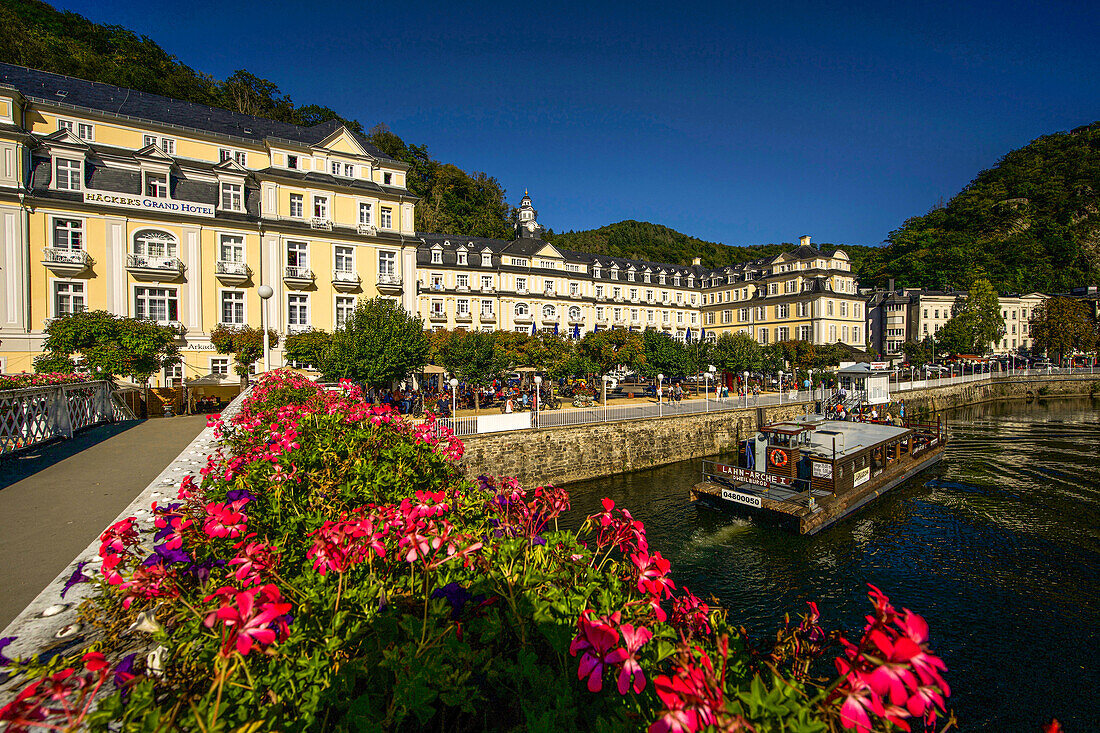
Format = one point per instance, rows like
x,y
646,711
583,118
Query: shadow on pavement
x,y
25,463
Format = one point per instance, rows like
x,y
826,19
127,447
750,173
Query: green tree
x,y
976,322
665,355
473,357
307,347
737,353
244,343
918,353
1063,326
772,358
557,355
605,350
379,344
110,345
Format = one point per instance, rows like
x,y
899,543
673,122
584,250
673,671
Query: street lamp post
x,y
660,401
265,292
454,389
781,386
745,377
538,384
605,381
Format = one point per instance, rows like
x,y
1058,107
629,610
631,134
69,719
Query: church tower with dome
x,y
528,227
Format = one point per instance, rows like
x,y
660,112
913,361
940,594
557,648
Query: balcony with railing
x,y
488,288
297,276
346,280
389,282
232,273
550,320
577,320
66,262
488,317
524,318
297,327
463,317
522,291
437,316
154,267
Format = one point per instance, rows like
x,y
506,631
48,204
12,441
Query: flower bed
x,y
24,380
334,569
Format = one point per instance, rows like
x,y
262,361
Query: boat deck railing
x,y
791,495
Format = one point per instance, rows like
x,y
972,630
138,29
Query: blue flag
x,y
687,336
555,329
532,329
577,332
750,459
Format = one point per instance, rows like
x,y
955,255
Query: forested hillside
x,y
1032,222
644,241
35,34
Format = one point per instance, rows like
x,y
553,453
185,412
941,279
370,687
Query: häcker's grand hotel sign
x,y
148,203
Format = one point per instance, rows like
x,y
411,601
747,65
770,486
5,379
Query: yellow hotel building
x,y
804,294
154,208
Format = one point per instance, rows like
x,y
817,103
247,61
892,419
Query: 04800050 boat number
x,y
748,499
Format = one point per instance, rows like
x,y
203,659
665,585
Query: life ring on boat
x,y
778,458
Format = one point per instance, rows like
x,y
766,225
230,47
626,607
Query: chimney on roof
x,y
804,240
697,261
891,285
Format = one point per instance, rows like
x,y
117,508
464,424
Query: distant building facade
x,y
888,319
929,310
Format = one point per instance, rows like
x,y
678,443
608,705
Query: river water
x,y
998,547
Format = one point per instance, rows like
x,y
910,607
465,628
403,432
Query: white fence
x,y
530,420
40,414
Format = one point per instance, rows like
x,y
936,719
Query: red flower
x,y
630,674
225,520
596,641
248,618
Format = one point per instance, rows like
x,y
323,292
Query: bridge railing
x,y
36,415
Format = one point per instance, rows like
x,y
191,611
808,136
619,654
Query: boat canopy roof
x,y
786,428
850,437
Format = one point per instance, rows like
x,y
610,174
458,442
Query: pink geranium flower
x,y
249,618
596,642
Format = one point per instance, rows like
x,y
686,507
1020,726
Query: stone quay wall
x,y
565,454
562,455
936,399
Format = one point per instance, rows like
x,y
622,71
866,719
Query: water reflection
x,y
998,547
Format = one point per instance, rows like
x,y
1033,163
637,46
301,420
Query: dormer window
x,y
630,276
387,178
156,185
595,272
437,256
646,277
349,170
83,130
292,162
233,196
166,144
486,259
462,257
225,154
68,174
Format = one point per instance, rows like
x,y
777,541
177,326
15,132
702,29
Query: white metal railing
x,y
345,276
39,414
152,262
225,267
54,255
293,272
389,278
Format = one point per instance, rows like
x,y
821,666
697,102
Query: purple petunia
x,y
78,576
457,596
238,494
4,661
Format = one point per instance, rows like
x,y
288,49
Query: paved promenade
x,y
56,498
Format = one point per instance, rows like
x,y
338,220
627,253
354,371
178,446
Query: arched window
x,y
549,311
575,313
153,243
521,309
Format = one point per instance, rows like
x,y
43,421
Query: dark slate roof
x,y
318,177
119,101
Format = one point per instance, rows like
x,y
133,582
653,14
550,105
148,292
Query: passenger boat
x,y
818,471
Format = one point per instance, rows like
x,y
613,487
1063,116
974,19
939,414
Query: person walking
x,y
678,392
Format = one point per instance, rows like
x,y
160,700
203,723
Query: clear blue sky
x,y
744,123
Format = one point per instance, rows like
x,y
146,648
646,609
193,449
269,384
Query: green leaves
x,y
109,344
380,343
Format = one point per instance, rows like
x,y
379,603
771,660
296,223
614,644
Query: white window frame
x,y
298,304
240,307
76,290
385,217
298,200
74,233
437,255
232,196
342,308
233,243
170,295
320,207
366,213
154,183
343,254
301,250
67,164
219,365
387,262
170,242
